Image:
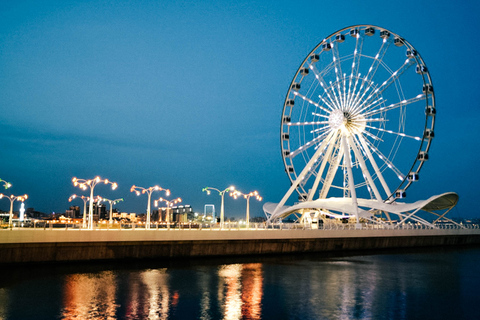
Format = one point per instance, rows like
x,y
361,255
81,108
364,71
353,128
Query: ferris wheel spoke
x,y
336,61
330,91
351,181
337,98
374,137
378,173
308,123
319,115
394,76
318,130
354,106
357,55
400,134
331,107
307,145
352,95
366,174
326,88
311,102
344,102
334,159
378,59
372,106
374,111
327,156
374,120
319,74
387,162
311,172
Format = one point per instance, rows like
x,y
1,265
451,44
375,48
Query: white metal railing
x,y
235,226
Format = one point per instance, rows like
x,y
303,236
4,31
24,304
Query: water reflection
x,y
229,295
240,290
3,302
88,296
252,292
149,295
158,295
363,287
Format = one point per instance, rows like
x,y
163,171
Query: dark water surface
x,y
419,284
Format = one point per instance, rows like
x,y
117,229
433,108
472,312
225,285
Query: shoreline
x,y
24,246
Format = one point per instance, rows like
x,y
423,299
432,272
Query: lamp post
x,y
12,199
91,183
148,191
112,202
5,184
85,199
247,196
169,204
221,193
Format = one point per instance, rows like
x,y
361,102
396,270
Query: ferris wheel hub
x,y
348,123
337,119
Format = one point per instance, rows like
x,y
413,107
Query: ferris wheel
x,y
358,117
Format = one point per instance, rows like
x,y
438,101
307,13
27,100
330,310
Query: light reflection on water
x,y
240,290
87,296
397,286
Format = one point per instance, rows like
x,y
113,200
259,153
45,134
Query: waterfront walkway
x,y
56,243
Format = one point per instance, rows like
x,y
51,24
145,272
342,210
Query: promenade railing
x,y
232,226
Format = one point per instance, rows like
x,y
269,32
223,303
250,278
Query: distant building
x,y
209,212
73,212
132,217
31,213
175,214
99,211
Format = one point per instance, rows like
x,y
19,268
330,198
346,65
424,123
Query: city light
x,y
148,191
112,202
169,204
222,207
85,199
12,199
91,183
235,194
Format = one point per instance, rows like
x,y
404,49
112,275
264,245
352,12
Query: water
x,y
419,284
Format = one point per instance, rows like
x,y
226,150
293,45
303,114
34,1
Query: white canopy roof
x,y
439,202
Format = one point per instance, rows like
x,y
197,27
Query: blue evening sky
x,y
188,94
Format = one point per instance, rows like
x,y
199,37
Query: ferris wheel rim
x,y
425,142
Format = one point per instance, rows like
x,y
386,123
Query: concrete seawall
x,y
30,245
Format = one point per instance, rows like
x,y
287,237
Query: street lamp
x,y
85,199
169,204
148,191
221,193
12,199
5,184
112,202
91,183
247,196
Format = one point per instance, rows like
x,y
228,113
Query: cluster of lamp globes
x,y
12,199
85,184
235,194
91,183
